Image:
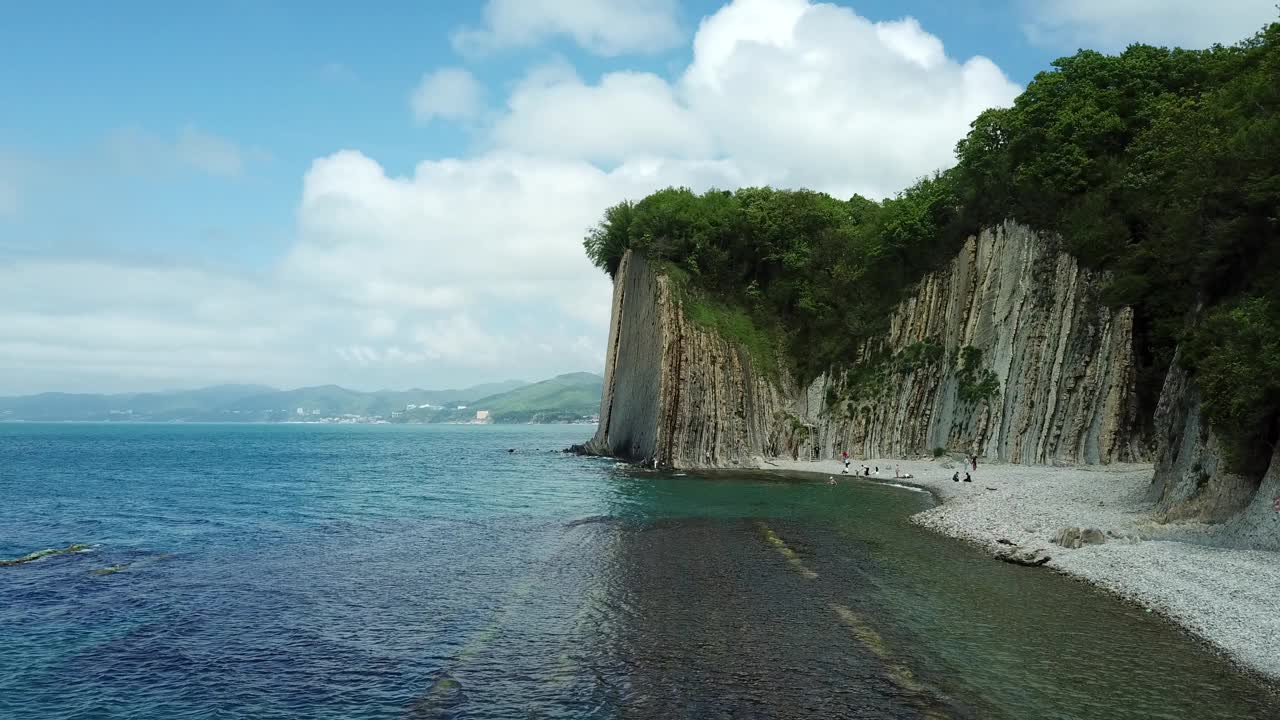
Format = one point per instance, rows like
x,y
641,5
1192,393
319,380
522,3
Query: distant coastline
x,y
589,421
573,398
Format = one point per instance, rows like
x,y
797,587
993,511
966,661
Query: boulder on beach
x,y
1021,556
1075,537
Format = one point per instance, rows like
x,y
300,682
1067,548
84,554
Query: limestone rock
x,y
1074,537
1191,480
1062,361
1022,556
1092,536
678,394
1067,537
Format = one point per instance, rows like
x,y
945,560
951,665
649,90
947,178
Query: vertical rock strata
x,y
1192,480
676,394
1009,310
1030,319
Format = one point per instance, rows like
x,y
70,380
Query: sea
x,y
353,572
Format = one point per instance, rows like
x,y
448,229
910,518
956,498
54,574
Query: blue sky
x,y
236,191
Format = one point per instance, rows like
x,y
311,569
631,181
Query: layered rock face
x,y
1005,353
1032,368
1192,480
677,394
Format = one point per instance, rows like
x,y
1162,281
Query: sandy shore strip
x,y
1228,597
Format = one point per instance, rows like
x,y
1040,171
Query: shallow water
x,y
425,572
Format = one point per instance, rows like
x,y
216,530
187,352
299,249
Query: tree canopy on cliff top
x,y
1160,165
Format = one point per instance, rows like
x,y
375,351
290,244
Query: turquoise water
x,y
284,571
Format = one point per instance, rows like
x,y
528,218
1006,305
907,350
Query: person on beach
x,y
967,478
866,471
955,477
975,463
846,467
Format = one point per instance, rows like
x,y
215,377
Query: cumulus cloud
x,y
447,93
627,114
1114,24
500,231
828,99
606,27
471,268
794,92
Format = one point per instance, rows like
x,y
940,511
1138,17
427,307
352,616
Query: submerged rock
x,y
592,520
73,548
441,700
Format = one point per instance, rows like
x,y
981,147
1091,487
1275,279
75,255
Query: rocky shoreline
x,y
1188,572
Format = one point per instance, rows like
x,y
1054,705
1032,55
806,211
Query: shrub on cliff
x,y
1236,351
826,270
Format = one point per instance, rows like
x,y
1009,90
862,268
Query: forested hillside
x,y
1159,165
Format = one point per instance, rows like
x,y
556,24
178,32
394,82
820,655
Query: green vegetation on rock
x,y
919,355
825,270
976,383
755,333
1159,165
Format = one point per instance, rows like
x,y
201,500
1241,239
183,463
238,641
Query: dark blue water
x,y
390,572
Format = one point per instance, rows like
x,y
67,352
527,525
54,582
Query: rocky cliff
x,y
677,394
1192,480
1006,353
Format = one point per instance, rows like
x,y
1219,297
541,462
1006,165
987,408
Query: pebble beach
x,y
1227,596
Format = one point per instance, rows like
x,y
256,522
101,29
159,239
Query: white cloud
x,y
502,230
1115,24
606,27
447,93
784,90
828,99
137,150
627,114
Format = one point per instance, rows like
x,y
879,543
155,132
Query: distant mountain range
x,y
564,398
